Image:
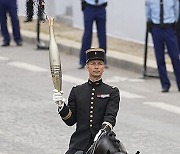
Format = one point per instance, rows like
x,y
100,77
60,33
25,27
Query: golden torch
x,y
54,57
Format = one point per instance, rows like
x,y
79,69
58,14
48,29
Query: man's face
x,y
95,68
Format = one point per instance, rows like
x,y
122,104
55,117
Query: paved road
x,y
148,121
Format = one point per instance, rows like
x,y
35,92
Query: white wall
x,y
21,7
58,7
125,18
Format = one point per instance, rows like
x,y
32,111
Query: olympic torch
x,y
54,57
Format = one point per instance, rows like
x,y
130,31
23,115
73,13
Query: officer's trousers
x,y
166,37
178,32
91,14
9,6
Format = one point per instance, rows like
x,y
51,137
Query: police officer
x,y
92,106
93,11
9,6
163,14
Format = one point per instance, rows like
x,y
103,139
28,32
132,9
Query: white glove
x,y
98,134
58,98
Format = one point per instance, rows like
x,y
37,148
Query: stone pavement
x,y
120,53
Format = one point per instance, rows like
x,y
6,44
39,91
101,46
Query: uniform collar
x,y
95,83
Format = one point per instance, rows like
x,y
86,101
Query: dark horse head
x,y
107,144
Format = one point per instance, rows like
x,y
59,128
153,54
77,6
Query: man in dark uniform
x,y
92,106
163,14
9,6
93,11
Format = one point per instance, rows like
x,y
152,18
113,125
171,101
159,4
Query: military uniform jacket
x,y
89,105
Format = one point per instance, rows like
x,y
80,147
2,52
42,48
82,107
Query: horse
x,y
107,143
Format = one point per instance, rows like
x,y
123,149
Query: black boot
x,y
28,20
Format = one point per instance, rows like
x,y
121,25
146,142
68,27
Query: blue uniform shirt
x,y
92,2
171,11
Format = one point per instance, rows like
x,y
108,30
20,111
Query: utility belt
x,y
84,4
166,25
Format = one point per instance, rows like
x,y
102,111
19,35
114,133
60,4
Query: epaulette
x,y
74,86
